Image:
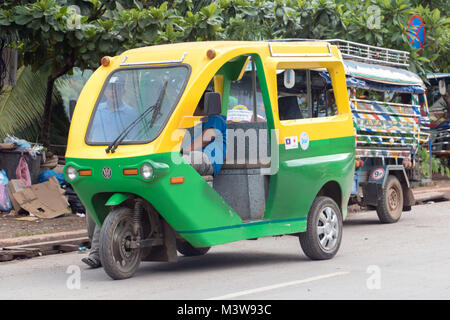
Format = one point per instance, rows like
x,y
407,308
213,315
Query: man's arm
x,y
203,140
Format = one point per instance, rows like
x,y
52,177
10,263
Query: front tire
x,y
390,207
323,235
118,259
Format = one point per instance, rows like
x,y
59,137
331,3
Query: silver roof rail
x,y
362,52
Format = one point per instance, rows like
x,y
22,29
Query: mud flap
x,y
408,199
372,193
168,250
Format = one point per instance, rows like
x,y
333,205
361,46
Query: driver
x,y
207,149
113,115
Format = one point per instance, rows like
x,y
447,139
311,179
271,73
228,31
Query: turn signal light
x,y
359,163
85,173
130,172
105,61
176,180
211,53
408,164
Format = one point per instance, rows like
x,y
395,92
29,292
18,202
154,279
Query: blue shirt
x,y
109,123
216,150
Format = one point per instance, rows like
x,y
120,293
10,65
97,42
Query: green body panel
x,y
198,213
303,173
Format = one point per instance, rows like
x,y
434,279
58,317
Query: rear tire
x,y
186,249
323,235
118,259
390,207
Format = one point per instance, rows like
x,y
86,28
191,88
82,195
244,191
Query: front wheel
x,y
119,260
323,235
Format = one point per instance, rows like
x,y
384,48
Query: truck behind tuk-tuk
x,y
391,119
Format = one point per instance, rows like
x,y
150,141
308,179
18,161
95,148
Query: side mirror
x,y
213,104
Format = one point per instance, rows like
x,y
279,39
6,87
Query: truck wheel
x,y
389,208
323,234
187,250
118,259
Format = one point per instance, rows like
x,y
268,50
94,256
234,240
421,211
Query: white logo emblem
x,y
304,141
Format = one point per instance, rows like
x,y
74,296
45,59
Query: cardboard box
x,y
14,186
44,200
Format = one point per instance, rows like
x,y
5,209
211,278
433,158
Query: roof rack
x,y
371,54
362,52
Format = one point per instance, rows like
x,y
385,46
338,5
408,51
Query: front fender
x,y
116,199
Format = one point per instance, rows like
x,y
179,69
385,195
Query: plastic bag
x,y
22,172
47,174
22,144
5,201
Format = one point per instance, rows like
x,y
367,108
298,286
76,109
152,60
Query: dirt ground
x,y
439,184
10,227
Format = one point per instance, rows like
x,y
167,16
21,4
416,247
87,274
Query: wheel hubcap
x,y
328,229
124,257
393,198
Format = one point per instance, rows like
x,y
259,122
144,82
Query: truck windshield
x,y
127,94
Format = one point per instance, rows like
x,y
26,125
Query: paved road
x,y
407,260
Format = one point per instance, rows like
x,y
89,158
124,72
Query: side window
x,y
304,93
245,102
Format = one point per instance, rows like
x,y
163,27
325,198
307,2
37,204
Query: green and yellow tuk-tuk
x,y
290,149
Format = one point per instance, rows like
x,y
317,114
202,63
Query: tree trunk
x,y
46,118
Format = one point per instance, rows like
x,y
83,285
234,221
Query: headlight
x,y
71,173
146,171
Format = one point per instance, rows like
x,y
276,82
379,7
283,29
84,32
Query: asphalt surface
x,y
406,260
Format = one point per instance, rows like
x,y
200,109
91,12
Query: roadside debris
x,y
43,248
32,183
44,200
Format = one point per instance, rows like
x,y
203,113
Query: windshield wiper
x,y
113,146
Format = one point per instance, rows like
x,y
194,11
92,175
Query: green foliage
x,y
22,105
54,38
438,165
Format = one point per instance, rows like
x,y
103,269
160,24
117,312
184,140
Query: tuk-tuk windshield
x,y
127,94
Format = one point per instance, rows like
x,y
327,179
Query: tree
x,y
23,104
53,37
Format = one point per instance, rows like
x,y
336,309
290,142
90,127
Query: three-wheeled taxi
x,y
290,149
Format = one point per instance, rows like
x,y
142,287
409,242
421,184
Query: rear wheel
x,y
323,235
119,260
186,249
389,209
